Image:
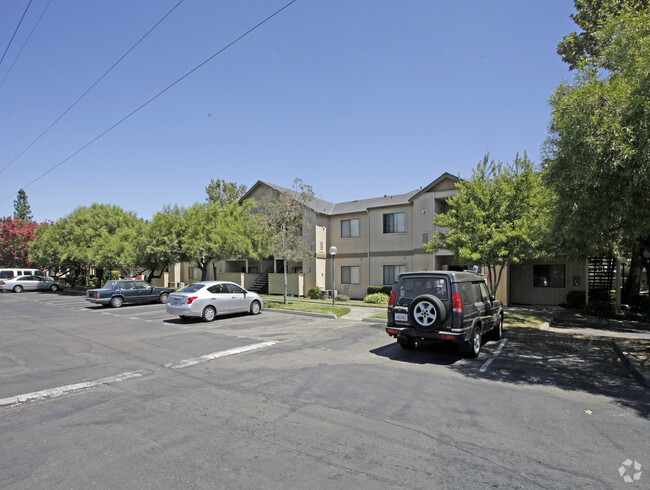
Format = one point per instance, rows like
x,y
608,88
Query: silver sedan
x,y
207,299
29,283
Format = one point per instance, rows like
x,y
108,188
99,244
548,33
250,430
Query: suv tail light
x,y
456,303
391,301
191,299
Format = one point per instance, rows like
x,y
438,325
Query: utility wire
x,y
25,43
91,87
14,34
155,97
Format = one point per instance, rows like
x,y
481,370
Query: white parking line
x,y
217,355
62,390
496,353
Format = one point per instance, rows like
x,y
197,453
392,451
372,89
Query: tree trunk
x,y
633,284
286,300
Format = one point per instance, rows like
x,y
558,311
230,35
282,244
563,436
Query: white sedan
x,y
207,299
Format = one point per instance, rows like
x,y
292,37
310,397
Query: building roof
x,y
321,206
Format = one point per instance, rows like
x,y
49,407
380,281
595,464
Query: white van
x,y
26,271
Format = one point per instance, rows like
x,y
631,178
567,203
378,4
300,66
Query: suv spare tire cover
x,y
426,312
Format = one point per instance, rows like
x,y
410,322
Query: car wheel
x,y
255,308
472,347
18,289
209,313
54,288
497,332
117,301
163,298
427,312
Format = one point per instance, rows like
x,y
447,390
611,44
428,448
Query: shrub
x,y
314,293
342,298
605,309
377,299
576,299
379,289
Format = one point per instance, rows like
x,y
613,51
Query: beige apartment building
x,y
376,239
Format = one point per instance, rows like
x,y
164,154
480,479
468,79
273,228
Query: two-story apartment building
x,y
376,239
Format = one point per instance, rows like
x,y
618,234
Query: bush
x,y
605,309
314,293
376,299
342,298
379,289
575,299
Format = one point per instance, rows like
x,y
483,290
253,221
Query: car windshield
x,y
411,287
110,285
192,288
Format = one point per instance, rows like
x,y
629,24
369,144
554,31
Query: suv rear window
x,y
412,287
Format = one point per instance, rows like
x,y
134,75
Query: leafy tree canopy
x,y
496,218
598,151
580,48
15,235
220,191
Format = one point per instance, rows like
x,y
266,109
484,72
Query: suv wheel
x,y
426,312
406,342
473,346
497,332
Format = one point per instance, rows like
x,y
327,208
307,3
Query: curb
x,y
632,365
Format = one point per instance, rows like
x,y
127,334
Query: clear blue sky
x,y
358,98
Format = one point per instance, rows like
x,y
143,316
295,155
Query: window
x,y
349,228
395,223
425,238
391,272
194,273
350,274
549,276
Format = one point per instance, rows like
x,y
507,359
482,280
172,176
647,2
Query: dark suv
x,y
443,305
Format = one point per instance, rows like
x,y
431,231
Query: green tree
x,y
285,216
219,231
161,243
598,151
224,192
102,235
22,209
496,218
585,47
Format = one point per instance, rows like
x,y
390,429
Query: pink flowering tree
x,y
15,234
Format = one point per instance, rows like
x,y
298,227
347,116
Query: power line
x,y
103,133
25,43
91,87
14,34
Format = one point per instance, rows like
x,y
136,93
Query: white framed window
x,y
391,272
350,274
349,228
395,223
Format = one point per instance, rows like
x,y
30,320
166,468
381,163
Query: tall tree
x,y
496,218
285,215
22,209
224,192
15,235
584,48
598,151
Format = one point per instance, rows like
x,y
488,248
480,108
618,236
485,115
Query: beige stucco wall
x,y
295,284
523,292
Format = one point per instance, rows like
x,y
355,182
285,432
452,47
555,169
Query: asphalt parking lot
x,y
133,397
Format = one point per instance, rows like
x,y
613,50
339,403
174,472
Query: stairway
x,y
601,278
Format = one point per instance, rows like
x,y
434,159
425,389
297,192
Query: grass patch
x,y
523,320
297,299
308,307
380,316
